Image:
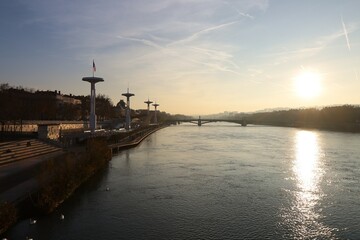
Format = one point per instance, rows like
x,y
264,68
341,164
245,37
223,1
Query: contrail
x,y
345,33
143,41
201,32
244,14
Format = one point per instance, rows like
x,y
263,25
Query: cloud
x,y
314,47
327,39
191,50
211,59
216,55
243,14
96,24
163,44
143,41
197,34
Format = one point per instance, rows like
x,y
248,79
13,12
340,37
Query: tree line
x,y
18,103
337,118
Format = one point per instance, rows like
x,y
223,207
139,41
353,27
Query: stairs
x,y
12,151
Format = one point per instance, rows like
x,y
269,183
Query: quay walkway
x,y
20,162
133,140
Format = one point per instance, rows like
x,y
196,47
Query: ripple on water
x,y
219,182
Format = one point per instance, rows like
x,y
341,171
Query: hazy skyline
x,y
191,56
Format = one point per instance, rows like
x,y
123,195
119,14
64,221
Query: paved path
x,y
19,178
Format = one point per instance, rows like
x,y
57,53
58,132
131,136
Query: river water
x,y
218,181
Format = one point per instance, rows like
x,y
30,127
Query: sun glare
x,y
308,84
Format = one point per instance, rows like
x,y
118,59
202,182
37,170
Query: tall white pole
x,y
92,117
155,117
92,108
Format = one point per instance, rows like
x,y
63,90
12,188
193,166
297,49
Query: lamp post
x,y
92,119
148,102
155,117
128,117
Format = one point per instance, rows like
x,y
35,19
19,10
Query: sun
x,y
308,84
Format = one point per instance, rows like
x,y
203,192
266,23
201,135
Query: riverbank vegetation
x,y
344,118
61,176
19,104
58,178
8,216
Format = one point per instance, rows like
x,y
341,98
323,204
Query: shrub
x,y
8,216
61,176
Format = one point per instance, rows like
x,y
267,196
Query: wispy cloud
x,y
216,55
211,59
197,34
345,31
143,41
240,13
169,45
314,47
191,50
244,14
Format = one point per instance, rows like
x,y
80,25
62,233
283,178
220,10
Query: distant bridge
x,y
201,122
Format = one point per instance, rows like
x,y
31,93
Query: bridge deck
x,y
201,121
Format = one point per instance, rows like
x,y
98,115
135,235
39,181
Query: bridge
x,y
201,122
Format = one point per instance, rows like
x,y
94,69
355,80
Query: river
x,y
218,181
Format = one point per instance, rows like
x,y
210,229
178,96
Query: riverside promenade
x,y
20,161
133,140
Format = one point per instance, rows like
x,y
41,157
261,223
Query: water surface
x,y
218,181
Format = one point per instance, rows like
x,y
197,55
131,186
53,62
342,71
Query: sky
x,y
191,56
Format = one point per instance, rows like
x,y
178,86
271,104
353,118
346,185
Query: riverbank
x,y
59,177
134,140
51,182
344,118
346,128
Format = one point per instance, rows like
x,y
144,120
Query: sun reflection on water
x,y
304,217
306,165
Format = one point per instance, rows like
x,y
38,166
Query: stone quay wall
x,y
33,126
